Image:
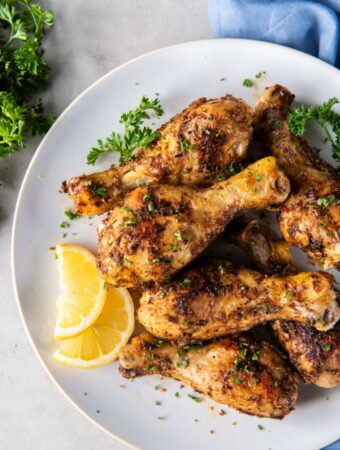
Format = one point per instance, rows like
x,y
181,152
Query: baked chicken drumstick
x,y
315,354
159,229
248,376
196,147
216,299
310,218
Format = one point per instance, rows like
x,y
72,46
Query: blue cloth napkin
x,y
310,26
334,446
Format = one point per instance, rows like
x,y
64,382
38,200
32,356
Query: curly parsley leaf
x,y
134,135
325,116
12,124
23,72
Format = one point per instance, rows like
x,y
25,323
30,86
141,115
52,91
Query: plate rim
x,y
72,104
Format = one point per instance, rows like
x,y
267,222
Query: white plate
x,y
179,74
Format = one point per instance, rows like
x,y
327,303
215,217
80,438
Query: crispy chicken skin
x,y
196,147
159,229
216,298
305,224
315,354
248,376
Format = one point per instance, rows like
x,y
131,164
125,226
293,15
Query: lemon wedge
x,y
83,290
101,342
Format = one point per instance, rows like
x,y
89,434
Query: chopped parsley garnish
x,y
127,262
185,282
185,145
324,116
277,124
134,217
187,347
55,256
256,355
254,190
156,261
207,131
244,351
158,403
180,351
152,368
178,236
177,395
98,190
260,427
326,347
183,364
240,364
264,307
247,82
324,202
134,135
146,197
235,380
71,215
173,246
221,269
259,75
287,295
151,207
196,344
235,168
64,224
259,177
159,342
195,398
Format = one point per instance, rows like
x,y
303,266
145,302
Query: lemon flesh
x,y
83,291
101,342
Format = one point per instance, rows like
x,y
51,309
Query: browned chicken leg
x,y
160,228
196,147
248,376
310,219
216,299
315,354
271,256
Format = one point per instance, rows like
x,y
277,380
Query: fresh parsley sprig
x,y
134,135
23,72
326,117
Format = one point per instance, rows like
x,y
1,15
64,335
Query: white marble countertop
x,y
89,39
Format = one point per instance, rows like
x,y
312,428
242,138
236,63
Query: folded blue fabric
x,y
334,446
310,26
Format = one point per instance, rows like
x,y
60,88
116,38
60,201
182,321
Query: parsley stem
x,y
328,134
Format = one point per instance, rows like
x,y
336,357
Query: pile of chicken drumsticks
x,y
172,200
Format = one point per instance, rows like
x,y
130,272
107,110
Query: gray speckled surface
x,y
90,38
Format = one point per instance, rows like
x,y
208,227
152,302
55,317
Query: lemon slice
x,y
83,290
101,342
